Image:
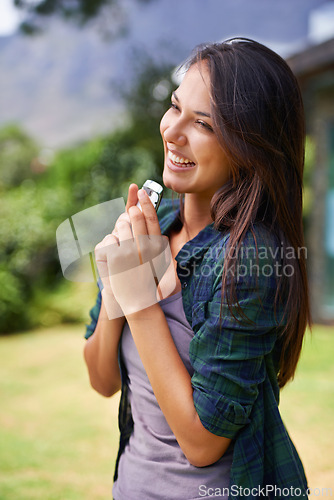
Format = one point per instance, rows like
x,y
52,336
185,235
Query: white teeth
x,y
177,159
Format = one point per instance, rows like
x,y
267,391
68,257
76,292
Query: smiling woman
x,y
200,370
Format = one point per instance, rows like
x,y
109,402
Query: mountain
x,y
59,85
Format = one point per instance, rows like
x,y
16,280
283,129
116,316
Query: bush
x,y
41,196
89,174
17,151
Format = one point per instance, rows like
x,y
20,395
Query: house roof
x,y
313,60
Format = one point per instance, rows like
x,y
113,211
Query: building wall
x,y
319,102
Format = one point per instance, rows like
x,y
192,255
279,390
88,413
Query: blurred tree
x,y
97,171
77,11
25,237
146,101
34,205
17,152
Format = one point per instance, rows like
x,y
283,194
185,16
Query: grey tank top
x,y
153,466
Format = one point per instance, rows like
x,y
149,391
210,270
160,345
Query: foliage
x,y
30,214
40,196
27,253
147,101
17,152
77,11
99,170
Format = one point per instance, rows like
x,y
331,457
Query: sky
x,y
9,17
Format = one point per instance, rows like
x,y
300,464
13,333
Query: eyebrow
x,y
200,113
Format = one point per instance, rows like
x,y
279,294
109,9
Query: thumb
x,y
132,196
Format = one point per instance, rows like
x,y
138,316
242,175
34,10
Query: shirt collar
x,y
196,247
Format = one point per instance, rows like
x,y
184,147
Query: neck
x,y
196,214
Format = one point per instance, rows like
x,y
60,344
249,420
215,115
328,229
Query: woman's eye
x,y
205,125
173,106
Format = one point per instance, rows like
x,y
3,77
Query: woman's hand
x,y
135,257
112,307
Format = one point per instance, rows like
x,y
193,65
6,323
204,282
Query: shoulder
x,y
260,237
255,266
257,237
259,257
259,246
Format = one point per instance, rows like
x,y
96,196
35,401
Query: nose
x,y
173,134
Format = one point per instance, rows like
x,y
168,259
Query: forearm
x,y
101,354
171,384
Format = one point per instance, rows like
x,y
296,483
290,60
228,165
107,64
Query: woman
x,y
200,370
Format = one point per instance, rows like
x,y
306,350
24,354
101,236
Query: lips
x,y
175,164
180,161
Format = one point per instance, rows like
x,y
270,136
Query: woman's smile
x,y
179,163
178,159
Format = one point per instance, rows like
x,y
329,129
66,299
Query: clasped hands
x,y
134,261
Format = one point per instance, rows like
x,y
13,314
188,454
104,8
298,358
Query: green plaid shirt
x,y
235,361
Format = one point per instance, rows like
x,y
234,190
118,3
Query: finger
x,y
132,196
108,240
101,251
137,221
149,212
123,216
124,230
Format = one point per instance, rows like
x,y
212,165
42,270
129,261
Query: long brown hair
x,y
258,118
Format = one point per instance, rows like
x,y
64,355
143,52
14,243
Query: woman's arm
x,y
101,348
101,354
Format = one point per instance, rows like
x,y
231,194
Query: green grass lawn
x,y
307,407
58,438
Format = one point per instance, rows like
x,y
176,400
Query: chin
x,y
173,184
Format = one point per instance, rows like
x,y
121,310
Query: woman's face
x,y
194,159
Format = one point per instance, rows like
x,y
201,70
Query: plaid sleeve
x,y
228,357
94,314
